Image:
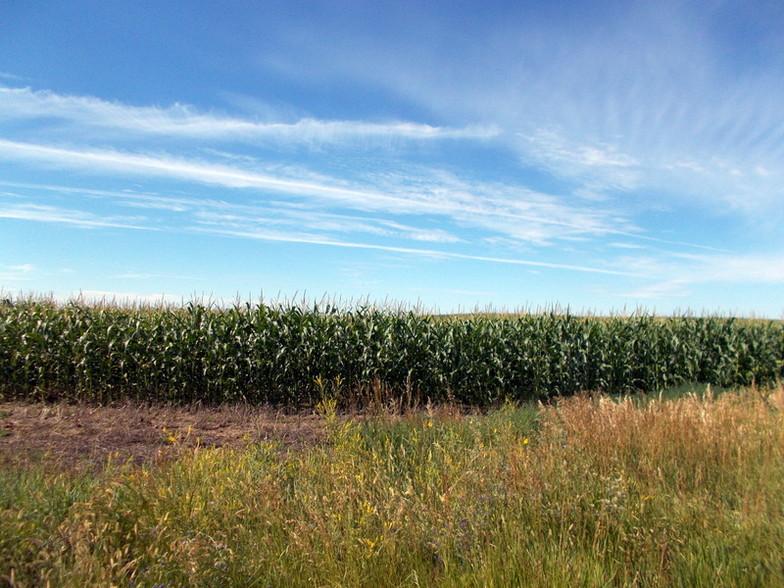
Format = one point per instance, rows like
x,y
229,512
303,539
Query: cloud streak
x,y
519,214
57,215
11,274
183,121
684,275
430,253
222,218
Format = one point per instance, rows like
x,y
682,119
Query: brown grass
x,y
684,441
84,436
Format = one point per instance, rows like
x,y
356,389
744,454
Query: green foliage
x,y
288,354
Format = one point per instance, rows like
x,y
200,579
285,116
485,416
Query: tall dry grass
x,y
586,492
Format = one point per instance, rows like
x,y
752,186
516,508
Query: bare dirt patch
x,y
80,435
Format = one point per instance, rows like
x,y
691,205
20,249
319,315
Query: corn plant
x,y
265,353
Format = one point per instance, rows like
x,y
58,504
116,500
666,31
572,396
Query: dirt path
x,y
78,435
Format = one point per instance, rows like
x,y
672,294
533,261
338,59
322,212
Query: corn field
x,y
290,355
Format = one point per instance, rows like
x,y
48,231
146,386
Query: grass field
x,y
587,491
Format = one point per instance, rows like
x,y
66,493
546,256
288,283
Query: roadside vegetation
x,y
585,491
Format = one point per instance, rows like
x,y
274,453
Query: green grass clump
x,y
588,492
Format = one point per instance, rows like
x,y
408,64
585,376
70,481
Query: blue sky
x,y
457,155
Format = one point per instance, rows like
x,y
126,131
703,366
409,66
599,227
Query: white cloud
x,y
598,167
25,268
11,274
620,245
647,96
431,253
77,218
512,211
688,273
184,121
93,160
754,268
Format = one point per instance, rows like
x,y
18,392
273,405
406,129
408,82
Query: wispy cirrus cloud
x,y
598,167
276,220
66,216
191,211
264,235
645,96
511,212
517,213
392,208
257,223
96,160
104,118
11,274
754,268
318,222
682,275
